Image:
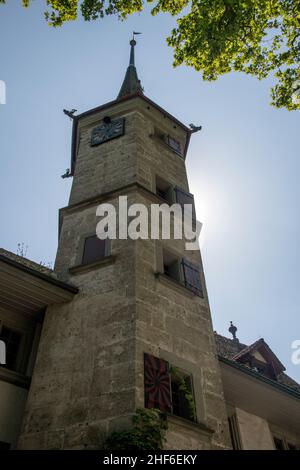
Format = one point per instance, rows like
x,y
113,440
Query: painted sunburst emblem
x,y
157,383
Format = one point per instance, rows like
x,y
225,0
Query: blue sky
x,y
243,166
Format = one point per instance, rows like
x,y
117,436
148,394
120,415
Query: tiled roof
x,y
27,262
288,381
229,348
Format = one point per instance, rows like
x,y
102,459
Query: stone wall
x,y
88,377
174,324
84,374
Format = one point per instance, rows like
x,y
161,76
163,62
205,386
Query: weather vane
x,y
134,33
133,41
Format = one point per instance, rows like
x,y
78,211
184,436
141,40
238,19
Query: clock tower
x,y
140,327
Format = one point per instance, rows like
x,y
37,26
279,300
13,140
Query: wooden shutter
x,y
192,278
157,381
182,197
94,249
234,432
174,144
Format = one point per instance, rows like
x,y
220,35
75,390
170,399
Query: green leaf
x,y
215,37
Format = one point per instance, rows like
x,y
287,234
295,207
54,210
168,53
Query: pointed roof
x,y
131,84
232,351
264,349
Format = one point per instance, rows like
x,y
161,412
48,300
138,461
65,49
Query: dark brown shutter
x,y
157,382
94,249
192,278
182,197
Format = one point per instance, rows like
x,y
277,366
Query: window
x,y
182,394
165,190
171,264
262,368
182,271
168,388
174,144
175,194
16,337
12,340
94,249
168,140
183,197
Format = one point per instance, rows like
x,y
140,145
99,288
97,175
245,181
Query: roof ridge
x,y
230,340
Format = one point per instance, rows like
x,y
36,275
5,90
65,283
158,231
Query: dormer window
x,y
260,358
259,366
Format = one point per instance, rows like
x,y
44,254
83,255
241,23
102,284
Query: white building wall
x,y
254,431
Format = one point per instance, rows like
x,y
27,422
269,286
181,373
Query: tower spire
x,y
131,83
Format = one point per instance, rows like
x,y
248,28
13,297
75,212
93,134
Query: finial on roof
x,y
131,83
233,329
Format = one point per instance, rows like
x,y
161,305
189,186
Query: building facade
x,y
129,320
262,401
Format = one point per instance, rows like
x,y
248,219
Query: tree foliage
x,y
215,37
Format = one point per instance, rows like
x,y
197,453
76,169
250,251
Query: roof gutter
x,y
256,375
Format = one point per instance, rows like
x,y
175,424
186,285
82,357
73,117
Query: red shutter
x,y
182,197
94,249
192,278
157,383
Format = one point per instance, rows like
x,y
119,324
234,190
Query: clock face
x,y
107,131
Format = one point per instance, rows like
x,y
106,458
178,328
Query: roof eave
x,y
44,277
262,378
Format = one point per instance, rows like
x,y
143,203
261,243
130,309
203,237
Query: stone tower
x,y
141,323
